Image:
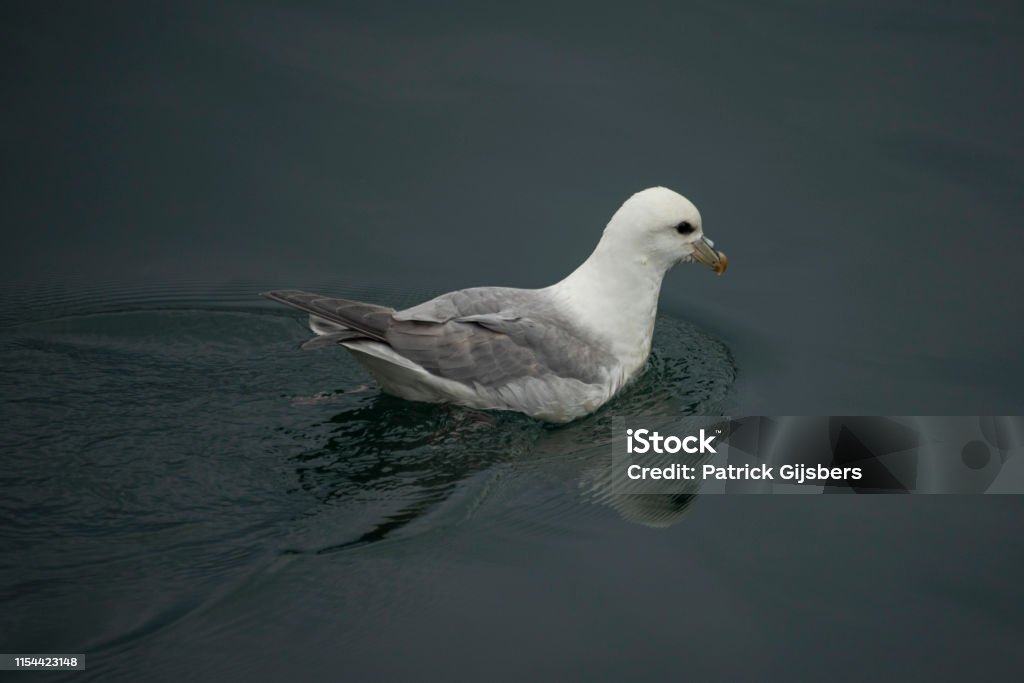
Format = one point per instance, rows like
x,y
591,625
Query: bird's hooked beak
x,y
704,253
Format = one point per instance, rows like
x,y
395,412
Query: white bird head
x,y
664,228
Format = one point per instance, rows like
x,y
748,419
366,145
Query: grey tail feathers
x,y
360,320
332,339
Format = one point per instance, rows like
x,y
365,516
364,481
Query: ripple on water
x,y
171,446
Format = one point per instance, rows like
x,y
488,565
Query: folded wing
x,y
488,336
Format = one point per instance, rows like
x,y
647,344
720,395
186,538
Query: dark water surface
x,y
186,495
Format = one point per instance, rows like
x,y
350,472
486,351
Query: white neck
x,y
615,294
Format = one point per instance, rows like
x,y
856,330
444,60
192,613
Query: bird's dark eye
x,y
685,228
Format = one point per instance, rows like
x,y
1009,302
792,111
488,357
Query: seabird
x,y
556,353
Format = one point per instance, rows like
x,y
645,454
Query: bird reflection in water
x,y
386,466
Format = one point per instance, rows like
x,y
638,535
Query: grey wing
x,y
492,336
486,335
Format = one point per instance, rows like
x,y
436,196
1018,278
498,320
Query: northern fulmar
x,y
556,353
